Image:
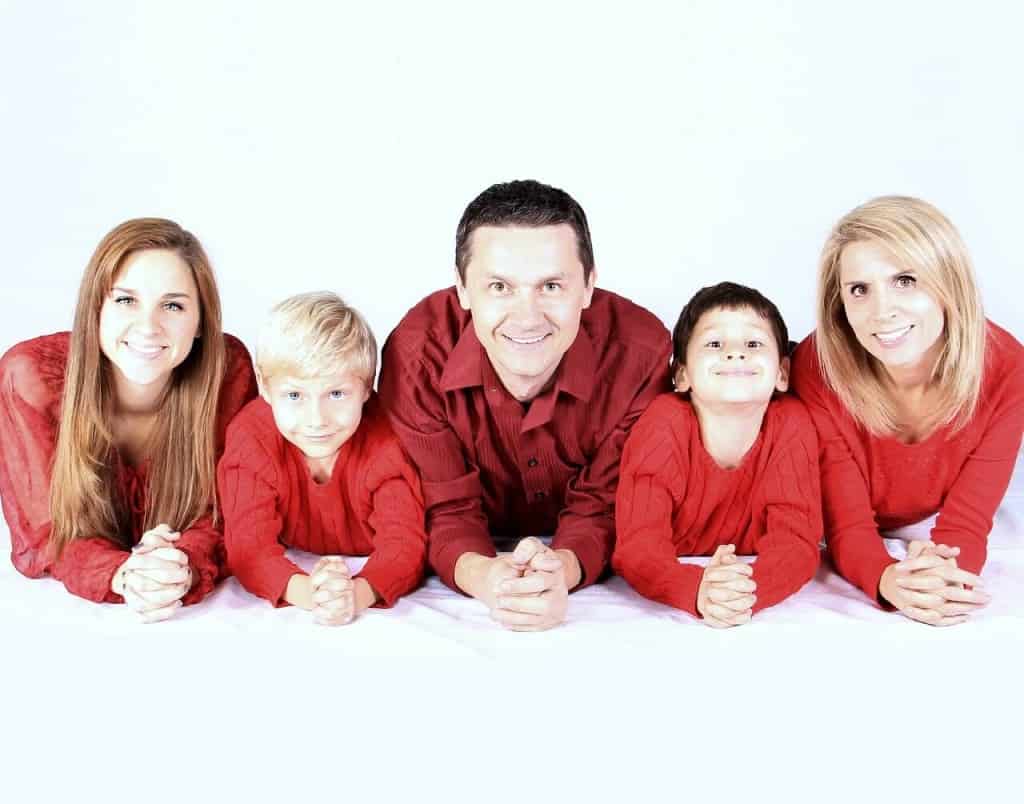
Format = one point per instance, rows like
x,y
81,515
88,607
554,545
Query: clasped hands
x,y
726,596
527,590
155,577
927,585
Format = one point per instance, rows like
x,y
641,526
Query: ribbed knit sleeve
x,y
399,556
852,536
965,519
587,523
651,482
788,551
251,487
455,520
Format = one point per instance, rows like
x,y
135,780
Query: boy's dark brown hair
x,y
523,203
724,296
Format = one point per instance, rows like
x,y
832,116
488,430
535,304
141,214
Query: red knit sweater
x,y
674,500
31,386
371,505
871,483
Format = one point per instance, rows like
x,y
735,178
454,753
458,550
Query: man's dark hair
x,y
523,203
724,296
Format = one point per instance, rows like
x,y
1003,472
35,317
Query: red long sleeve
x,y
673,500
872,483
371,505
495,468
31,385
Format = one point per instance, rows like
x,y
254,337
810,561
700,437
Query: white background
x,y
335,146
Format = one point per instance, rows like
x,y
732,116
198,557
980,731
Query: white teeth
x,y
145,350
890,337
525,341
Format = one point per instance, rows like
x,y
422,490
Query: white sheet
x,y
825,680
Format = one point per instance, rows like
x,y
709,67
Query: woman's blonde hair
x,y
921,239
181,483
312,334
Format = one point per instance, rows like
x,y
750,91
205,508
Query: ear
x,y
460,288
588,290
682,382
367,391
782,384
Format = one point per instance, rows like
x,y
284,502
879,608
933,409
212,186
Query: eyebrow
x,y
552,278
131,292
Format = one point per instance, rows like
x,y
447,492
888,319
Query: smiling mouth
x,y
893,336
145,352
736,373
525,341
323,437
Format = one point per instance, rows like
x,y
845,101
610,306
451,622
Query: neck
x,y
525,388
728,431
137,400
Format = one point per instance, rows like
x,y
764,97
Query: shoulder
x,y
379,451
237,359
430,329
253,431
670,415
34,370
615,320
1004,353
788,419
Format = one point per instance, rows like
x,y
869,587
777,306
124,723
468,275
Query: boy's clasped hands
x,y
726,593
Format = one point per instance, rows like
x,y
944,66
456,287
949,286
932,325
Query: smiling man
x,y
514,392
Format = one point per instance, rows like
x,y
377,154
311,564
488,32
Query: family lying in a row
x,y
137,463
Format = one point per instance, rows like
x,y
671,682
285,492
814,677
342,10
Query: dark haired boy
x,y
513,393
725,466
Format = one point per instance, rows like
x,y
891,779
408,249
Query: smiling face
x,y
149,320
732,358
316,414
892,315
525,289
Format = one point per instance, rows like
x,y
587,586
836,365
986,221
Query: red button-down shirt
x,y
495,468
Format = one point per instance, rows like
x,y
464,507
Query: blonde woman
x,y
109,434
919,405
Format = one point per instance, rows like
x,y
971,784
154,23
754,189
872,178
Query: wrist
x,y
470,568
299,591
572,568
365,596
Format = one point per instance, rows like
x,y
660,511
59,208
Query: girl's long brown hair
x,y
181,481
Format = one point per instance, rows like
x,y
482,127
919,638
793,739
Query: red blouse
x,y
371,505
870,483
32,377
674,500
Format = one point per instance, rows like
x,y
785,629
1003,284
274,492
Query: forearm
x,y
365,596
299,592
571,566
470,571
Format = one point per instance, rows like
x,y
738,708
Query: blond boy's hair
x,y
316,333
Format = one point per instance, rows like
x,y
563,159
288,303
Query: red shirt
x,y
674,500
871,483
491,465
31,385
371,505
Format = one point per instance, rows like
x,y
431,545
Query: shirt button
x,y
540,495
532,462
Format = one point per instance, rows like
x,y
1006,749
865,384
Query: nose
x,y
736,352
881,303
149,321
527,312
316,414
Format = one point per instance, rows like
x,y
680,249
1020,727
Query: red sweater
x,y
371,505
674,500
31,386
870,483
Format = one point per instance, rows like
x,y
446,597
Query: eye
x,y
858,290
337,394
755,344
125,300
552,287
713,345
174,307
906,281
292,396
498,287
